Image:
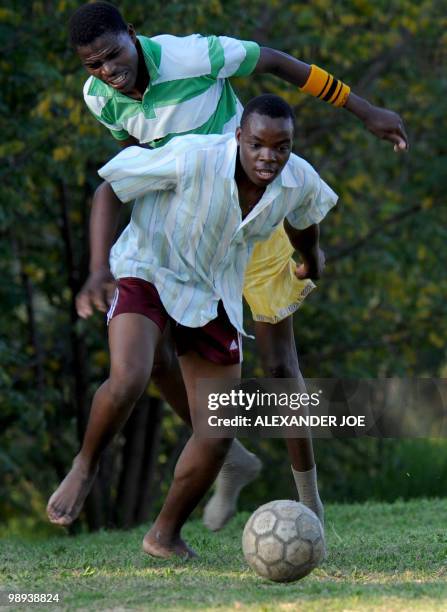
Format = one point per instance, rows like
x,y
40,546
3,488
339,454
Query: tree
x,y
380,311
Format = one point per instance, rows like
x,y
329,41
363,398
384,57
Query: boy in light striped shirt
x,y
201,204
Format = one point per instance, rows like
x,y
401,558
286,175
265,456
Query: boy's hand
x,y
312,266
97,292
381,122
387,125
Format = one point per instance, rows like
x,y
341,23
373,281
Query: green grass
x,y
381,557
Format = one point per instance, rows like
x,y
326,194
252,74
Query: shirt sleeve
x,y
97,105
316,200
240,57
136,171
117,133
195,55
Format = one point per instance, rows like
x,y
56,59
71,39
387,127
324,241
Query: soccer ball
x,y
283,541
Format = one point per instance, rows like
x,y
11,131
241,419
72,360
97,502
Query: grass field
x,y
381,557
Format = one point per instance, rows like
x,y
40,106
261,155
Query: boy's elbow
x,y
267,60
105,193
102,190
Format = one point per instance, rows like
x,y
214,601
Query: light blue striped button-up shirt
x,y
186,234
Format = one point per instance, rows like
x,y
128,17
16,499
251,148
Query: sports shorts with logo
x,y
271,288
217,341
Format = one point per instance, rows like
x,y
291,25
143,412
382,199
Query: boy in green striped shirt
x,y
146,91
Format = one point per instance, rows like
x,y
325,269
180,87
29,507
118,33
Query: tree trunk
x,y
147,493
139,460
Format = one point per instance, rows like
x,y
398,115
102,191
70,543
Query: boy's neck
x,y
143,76
249,193
244,184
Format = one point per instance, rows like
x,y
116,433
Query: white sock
x,y
240,468
306,484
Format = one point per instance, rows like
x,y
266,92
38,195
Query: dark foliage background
x,y
379,312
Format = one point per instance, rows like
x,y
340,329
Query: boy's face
x,y
113,58
265,144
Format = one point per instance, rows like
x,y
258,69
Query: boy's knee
x,y
282,368
279,358
281,364
163,362
127,387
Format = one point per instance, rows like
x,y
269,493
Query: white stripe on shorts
x,y
113,305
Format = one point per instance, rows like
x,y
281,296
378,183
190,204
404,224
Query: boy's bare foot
x,y
158,546
66,502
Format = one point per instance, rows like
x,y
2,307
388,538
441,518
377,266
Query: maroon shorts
x,y
217,341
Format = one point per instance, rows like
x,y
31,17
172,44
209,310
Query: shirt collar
x,y
291,176
151,53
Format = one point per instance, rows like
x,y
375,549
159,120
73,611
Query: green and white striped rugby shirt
x,y
188,90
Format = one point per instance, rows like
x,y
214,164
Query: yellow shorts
x,y
271,288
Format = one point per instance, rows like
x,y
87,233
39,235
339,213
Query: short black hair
x,y
90,21
269,105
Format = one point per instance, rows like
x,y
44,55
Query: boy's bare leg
x,y
132,342
196,468
276,344
240,466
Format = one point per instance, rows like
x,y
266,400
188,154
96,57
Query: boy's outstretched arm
x,y
307,243
381,122
100,285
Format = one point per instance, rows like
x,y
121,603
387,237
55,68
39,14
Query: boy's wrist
x,y
312,266
358,106
99,267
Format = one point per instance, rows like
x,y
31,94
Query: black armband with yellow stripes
x,y
323,85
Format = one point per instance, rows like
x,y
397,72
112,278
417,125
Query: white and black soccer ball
x,y
283,541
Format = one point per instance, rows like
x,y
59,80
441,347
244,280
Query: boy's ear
x,y
131,32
